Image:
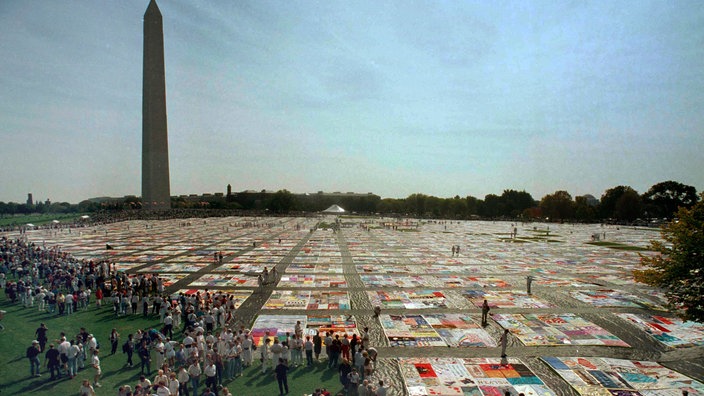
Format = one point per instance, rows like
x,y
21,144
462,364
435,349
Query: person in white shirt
x,y
161,377
95,362
63,349
285,352
264,354
211,373
381,389
92,344
194,373
170,351
144,382
296,350
73,352
236,363
276,350
169,325
69,303
162,389
247,351
173,384
159,349
86,389
298,330
182,378
308,345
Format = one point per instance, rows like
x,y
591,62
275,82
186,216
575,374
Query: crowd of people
x,y
211,351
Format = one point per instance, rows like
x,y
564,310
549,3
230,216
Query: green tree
x,y
473,205
415,203
557,206
583,210
679,265
628,206
492,206
515,202
282,201
610,199
663,199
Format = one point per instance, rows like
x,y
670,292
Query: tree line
x,y
618,204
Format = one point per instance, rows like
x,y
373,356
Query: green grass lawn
x,y
20,324
619,246
39,219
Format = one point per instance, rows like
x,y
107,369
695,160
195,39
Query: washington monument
x,y
155,145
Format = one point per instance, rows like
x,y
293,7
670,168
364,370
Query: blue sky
x,y
393,97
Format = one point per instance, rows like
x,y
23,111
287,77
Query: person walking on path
x,y
280,372
485,312
503,341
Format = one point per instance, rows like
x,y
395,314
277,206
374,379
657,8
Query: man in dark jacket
x,y
281,373
33,356
52,362
145,357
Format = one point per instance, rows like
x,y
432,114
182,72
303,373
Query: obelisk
x,y
155,145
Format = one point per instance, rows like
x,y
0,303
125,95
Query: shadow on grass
x,y
41,384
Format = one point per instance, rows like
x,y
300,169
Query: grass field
x,y
20,325
38,219
619,246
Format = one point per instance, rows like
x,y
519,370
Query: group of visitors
x,y
65,355
210,354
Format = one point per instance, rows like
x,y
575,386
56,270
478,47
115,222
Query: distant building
x,y
30,201
590,200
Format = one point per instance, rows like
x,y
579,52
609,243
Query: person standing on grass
x,y
86,389
264,354
114,341
98,297
41,336
52,362
317,345
308,345
276,350
211,372
328,347
344,370
95,362
194,373
128,348
281,374
247,346
145,357
33,356
73,352
182,378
